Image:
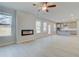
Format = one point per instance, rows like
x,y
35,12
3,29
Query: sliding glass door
x,y
5,25
7,28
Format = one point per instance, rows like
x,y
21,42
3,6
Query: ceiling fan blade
x,y
52,6
45,2
34,4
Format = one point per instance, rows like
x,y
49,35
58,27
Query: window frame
x,y
44,26
49,29
38,26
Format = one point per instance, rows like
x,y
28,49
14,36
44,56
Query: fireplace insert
x,y
27,32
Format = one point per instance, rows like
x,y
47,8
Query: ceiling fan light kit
x,y
44,6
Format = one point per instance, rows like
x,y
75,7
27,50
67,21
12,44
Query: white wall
x,y
25,20
78,27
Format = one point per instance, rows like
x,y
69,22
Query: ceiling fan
x,y
44,6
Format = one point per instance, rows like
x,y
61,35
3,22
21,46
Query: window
x,y
44,26
5,25
49,29
38,26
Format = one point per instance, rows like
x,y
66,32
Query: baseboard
x,y
24,41
30,40
6,44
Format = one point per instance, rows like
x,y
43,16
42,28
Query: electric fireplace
x,y
27,32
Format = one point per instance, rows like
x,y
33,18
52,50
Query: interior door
x,y
7,28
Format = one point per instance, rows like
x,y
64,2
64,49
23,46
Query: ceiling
x,y
64,11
